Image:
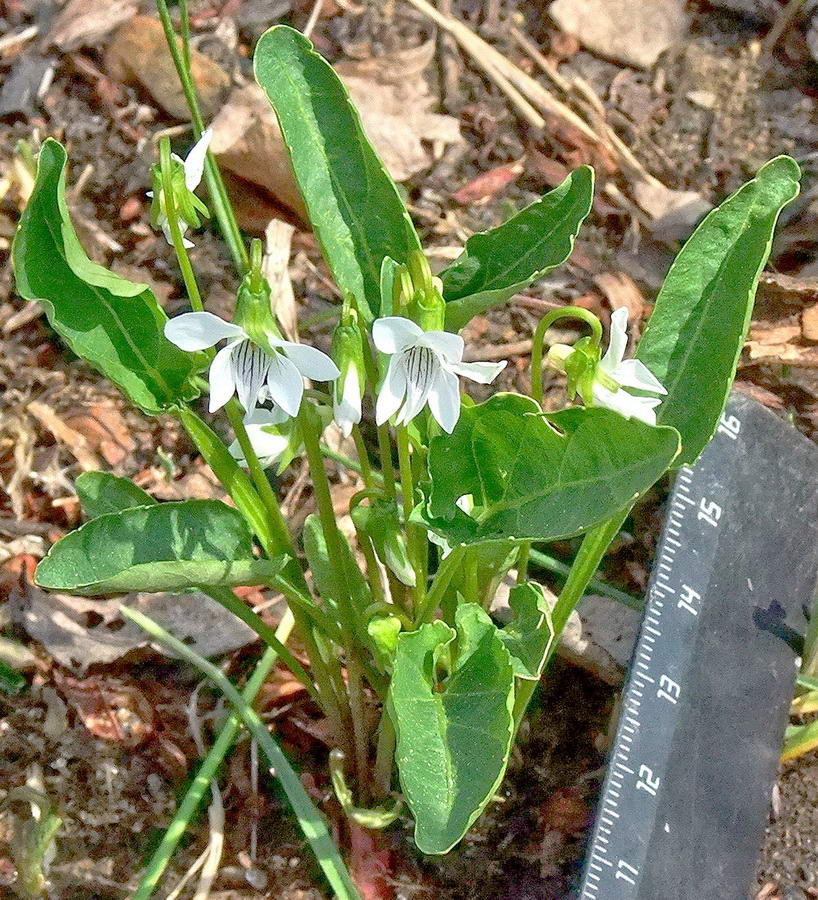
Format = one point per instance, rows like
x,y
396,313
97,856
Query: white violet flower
x,y
244,368
268,445
193,166
615,372
424,369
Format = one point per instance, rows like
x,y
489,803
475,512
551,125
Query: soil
x,y
112,746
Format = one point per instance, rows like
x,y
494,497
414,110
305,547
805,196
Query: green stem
x,y
226,598
310,820
363,458
557,567
564,312
384,443
261,482
207,771
384,758
311,431
594,546
353,465
215,184
176,236
414,534
522,562
440,585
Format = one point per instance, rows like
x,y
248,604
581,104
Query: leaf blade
x,y
498,263
101,492
160,547
447,775
695,334
353,204
114,324
533,481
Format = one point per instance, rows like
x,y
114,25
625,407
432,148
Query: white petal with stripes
x,y
248,370
423,370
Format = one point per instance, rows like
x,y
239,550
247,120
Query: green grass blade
x,y
310,820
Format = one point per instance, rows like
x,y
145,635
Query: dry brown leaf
x,y
394,102
81,631
780,344
77,443
278,238
105,430
86,23
621,290
629,31
673,213
248,143
483,188
139,55
110,708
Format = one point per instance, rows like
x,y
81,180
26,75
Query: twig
x,y
781,25
484,55
10,41
499,351
314,16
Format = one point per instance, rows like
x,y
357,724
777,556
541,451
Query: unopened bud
x,y
558,356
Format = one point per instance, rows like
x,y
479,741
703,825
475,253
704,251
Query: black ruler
x,y
687,791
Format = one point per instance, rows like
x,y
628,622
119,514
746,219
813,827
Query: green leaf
x,y
11,681
499,263
540,477
114,324
101,493
381,522
327,572
164,547
694,336
353,204
454,737
529,635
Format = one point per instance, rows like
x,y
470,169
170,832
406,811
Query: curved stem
x,y
564,312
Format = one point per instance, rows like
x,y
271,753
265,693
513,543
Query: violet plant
x,y
422,690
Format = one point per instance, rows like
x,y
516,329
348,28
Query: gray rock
x,y
629,31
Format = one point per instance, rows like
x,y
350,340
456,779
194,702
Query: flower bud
x,y
254,309
558,356
171,173
348,354
427,307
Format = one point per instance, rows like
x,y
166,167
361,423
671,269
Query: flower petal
x,y
421,365
309,361
481,372
249,364
444,343
634,373
194,164
222,385
641,408
618,341
199,330
260,416
394,333
347,409
392,391
285,384
444,400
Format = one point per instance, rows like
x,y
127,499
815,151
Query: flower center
x,y
420,366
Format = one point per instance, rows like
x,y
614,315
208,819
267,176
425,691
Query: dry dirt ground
x,y
111,743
